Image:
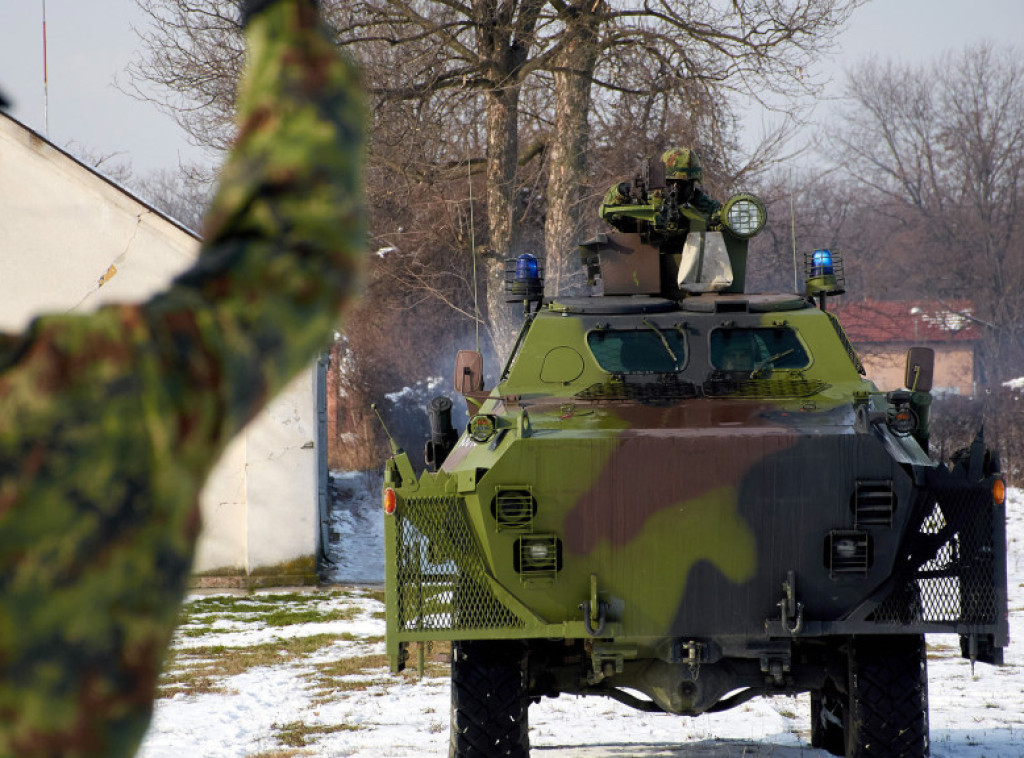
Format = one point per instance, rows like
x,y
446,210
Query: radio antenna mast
x,y
46,84
792,229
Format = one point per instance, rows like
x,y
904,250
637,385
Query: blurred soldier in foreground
x,y
666,205
110,422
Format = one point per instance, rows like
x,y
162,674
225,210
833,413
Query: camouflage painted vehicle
x,y
685,491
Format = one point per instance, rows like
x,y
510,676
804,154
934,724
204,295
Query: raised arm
x,y
284,236
110,422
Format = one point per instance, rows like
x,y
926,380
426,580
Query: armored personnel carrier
x,y
682,496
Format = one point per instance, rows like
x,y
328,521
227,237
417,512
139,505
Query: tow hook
x,y
588,620
791,611
594,611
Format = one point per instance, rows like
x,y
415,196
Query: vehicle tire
x,y
828,708
489,703
888,705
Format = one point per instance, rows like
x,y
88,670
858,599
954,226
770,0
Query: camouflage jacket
x,y
110,422
626,214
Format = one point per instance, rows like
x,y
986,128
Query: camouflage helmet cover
x,y
681,163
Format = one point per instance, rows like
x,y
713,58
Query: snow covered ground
x,y
276,675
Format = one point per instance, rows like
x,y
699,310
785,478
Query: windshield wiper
x,y
661,336
765,366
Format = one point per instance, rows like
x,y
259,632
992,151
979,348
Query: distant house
x,y
72,240
882,332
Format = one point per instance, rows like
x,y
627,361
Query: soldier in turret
x,y
111,421
669,211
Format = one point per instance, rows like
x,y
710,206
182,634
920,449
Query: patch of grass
x,y
202,615
378,595
430,669
298,733
285,753
188,683
201,630
940,651
205,669
437,658
257,602
289,616
347,674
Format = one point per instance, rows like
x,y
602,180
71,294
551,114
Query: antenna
x,y
395,449
792,229
472,246
46,84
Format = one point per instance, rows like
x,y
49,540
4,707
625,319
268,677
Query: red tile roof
x,y
908,321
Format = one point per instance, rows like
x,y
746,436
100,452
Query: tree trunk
x,y
505,34
502,151
567,158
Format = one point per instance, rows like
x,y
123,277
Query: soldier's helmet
x,y
681,163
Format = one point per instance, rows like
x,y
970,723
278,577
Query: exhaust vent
x,y
874,504
847,553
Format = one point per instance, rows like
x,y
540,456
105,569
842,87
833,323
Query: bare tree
x,y
193,53
940,150
437,69
704,50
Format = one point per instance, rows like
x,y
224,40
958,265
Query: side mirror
x,y
920,369
469,372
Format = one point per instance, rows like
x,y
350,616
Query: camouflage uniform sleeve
x,y
703,202
110,422
608,211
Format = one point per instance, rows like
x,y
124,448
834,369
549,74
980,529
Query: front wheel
x,y
888,704
489,703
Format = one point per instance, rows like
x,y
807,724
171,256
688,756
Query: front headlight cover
x,y
744,215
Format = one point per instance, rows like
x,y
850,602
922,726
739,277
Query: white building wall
x,y
280,479
71,240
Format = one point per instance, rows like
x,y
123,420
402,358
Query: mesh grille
x,y
847,345
739,384
441,581
957,581
639,392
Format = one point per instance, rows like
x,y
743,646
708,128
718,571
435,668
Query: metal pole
x,y
46,84
792,228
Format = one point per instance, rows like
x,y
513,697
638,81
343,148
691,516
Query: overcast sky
x,y
90,42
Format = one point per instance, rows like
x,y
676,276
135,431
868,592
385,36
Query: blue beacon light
x,y
526,269
821,263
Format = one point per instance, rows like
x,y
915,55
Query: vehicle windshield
x,y
648,350
759,349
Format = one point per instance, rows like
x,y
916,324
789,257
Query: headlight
x,y
538,554
743,215
900,417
